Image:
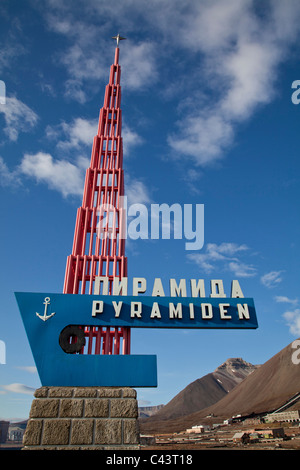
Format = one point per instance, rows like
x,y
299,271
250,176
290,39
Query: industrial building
x,y
197,429
289,416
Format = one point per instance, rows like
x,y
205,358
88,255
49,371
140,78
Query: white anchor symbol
x,y
45,316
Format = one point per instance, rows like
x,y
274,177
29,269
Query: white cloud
x,y
12,44
78,132
63,175
202,137
18,117
59,24
131,139
241,52
82,59
60,175
241,269
136,191
68,178
271,279
8,178
144,402
293,320
83,62
18,388
30,369
251,70
139,68
74,89
192,178
233,48
227,248
284,299
223,256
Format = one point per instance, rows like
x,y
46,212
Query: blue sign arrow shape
x,y
56,367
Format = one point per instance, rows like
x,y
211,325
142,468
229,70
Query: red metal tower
x,y
98,248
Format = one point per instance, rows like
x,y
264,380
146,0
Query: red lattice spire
x,y
98,249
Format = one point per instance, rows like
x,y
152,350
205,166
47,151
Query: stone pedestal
x,y
83,418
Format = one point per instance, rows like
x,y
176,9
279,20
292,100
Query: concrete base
x,y
83,418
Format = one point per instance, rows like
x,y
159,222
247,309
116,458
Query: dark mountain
x,y
264,390
207,390
270,386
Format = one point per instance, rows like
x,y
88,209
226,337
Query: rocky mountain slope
x,y
265,389
207,390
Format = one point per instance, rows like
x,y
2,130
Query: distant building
x,y
16,432
227,421
271,433
233,419
3,431
254,437
147,440
197,429
241,437
289,416
249,421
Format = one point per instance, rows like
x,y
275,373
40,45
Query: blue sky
x,y
207,119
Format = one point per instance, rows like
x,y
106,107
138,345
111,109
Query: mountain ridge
x,y
265,389
206,390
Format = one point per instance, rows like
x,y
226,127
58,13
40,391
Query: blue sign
x,y
46,315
